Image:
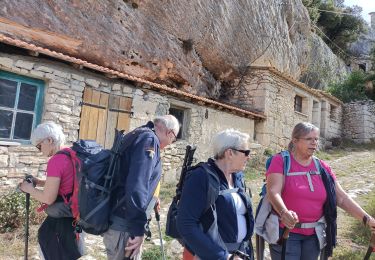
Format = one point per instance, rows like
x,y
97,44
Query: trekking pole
x,y
157,216
259,242
370,248
29,179
282,241
27,225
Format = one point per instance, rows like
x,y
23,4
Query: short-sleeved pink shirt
x,y
297,195
60,165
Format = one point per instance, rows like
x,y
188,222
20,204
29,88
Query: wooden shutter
x,y
101,114
118,117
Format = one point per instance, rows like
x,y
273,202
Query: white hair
x,y
46,130
170,122
229,138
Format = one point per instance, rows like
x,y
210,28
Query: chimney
x,y
372,14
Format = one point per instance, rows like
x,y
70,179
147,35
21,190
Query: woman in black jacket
x,y
217,231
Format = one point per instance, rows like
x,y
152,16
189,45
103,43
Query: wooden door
x,y
101,114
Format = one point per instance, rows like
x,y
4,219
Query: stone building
x,y
89,101
285,102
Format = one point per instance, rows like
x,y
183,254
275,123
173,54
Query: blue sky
x,y
367,6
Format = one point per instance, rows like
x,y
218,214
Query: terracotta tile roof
x,y
156,86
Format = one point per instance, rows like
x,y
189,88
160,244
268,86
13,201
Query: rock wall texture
x,y
359,121
324,67
64,88
195,45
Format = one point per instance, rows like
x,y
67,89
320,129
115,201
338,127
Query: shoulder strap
x,y
213,185
286,161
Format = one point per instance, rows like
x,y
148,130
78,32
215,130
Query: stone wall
x,y
63,91
359,121
268,92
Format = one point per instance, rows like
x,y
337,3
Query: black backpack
x,y
94,181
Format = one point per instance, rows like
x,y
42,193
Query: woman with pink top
x,y
57,236
306,198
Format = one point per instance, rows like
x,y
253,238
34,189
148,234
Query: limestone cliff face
x,y
196,45
324,67
362,47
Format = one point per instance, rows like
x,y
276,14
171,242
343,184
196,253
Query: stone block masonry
x,y
63,91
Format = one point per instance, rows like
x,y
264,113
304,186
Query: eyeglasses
x,y
175,137
310,139
245,152
39,146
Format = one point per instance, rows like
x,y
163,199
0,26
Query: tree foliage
x,y
354,87
338,25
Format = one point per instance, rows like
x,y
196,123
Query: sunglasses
x,y
245,152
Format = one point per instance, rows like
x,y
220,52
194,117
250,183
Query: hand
x,y
289,219
134,246
157,205
235,257
26,186
371,224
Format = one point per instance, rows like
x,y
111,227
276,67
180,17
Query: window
x,y
362,67
298,103
20,106
333,113
179,113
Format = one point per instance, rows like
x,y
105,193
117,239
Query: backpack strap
x,y
76,168
227,191
213,185
286,161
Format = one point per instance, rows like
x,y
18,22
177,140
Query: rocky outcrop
x,y
362,47
193,45
324,67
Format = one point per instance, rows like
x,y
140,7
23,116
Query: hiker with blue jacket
x,y
305,199
140,172
219,230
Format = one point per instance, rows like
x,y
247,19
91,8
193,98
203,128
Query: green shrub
x,y
353,88
152,253
268,152
13,211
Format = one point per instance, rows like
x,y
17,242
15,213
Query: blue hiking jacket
x,y
140,172
191,214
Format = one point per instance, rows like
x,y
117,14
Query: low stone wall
x,y
359,121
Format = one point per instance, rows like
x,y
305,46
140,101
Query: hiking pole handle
x,y
188,160
370,249
284,236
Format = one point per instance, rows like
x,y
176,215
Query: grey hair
x,y
46,130
169,121
301,130
229,138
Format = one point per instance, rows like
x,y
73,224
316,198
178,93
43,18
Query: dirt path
x,y
355,171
